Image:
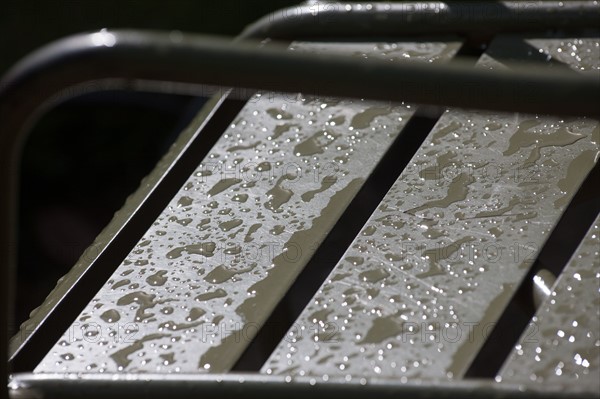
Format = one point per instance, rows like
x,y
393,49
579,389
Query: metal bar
x,y
252,385
421,288
561,343
208,272
128,55
469,18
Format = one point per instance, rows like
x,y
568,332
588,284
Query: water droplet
x,y
110,316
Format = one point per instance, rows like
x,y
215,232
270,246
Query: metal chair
x,y
274,263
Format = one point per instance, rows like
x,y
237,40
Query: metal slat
x,y
422,286
193,292
562,343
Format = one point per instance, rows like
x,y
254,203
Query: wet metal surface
x,y
562,343
423,284
193,292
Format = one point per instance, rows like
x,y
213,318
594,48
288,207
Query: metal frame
x,y
167,57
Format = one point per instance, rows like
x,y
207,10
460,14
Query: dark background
x,y
87,155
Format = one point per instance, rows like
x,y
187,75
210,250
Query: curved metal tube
x,y
102,60
467,18
124,58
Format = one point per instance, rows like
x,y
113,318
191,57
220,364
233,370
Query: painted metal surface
x,y
315,19
562,343
422,286
195,289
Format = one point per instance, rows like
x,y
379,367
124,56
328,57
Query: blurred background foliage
x,y
87,155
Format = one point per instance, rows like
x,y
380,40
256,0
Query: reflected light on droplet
x,y
103,38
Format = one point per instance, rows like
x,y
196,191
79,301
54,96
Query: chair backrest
x,y
352,247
